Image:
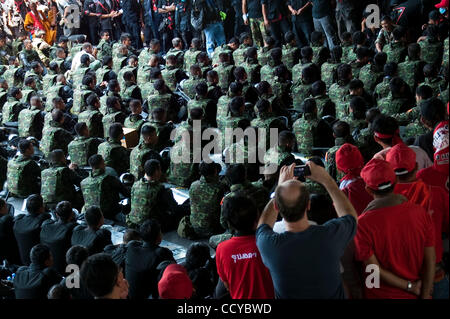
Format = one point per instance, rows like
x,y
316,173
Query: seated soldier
x,y
225,71
146,148
195,77
249,92
130,90
115,155
135,119
214,90
34,281
163,128
151,199
113,90
59,181
205,196
324,104
398,99
131,66
56,234
55,136
113,114
382,89
29,90
12,108
237,176
173,73
118,252
83,146
306,54
342,135
201,100
251,66
102,190
27,227
81,93
92,116
36,71
281,152
142,260
8,244
31,120
23,173
163,98
91,235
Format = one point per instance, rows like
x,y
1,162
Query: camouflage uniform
x,y
355,124
225,73
23,176
330,159
338,92
297,71
11,110
58,185
266,121
316,54
31,122
408,71
258,30
291,55
324,105
80,95
253,69
115,155
391,105
220,49
347,53
328,73
384,37
103,49
159,100
205,196
130,91
61,65
304,129
54,91
382,89
136,156
103,106
77,76
11,76
145,56
169,75
277,155
143,76
93,119
54,137
438,85
431,51
30,55
190,84
445,55
48,80
112,116
300,92
396,52
180,56
134,121
27,94
145,202
190,58
148,88
264,55
182,174
5,51
356,67
119,62
239,54
103,74
267,72
370,76
81,148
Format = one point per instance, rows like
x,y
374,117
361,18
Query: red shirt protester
x,y
394,230
350,161
432,198
239,264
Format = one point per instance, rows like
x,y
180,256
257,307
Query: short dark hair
x,y
150,230
236,173
341,129
151,166
77,255
24,145
236,88
289,37
306,52
292,211
319,87
87,79
424,91
355,84
14,91
90,100
414,51
34,204
111,101
316,37
390,69
93,216
262,105
115,130
201,88
95,161
29,80
239,73
386,125
196,113
196,256
358,107
79,127
344,71
64,210
235,104
39,254
208,169
159,85
107,59
99,274
84,59
240,213
309,106
433,110
57,115
112,84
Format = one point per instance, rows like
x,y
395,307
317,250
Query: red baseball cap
x,y
402,159
175,283
442,4
349,158
378,174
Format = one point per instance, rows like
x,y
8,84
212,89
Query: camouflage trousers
x,y
215,240
187,230
258,30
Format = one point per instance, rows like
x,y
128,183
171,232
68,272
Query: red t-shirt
x,y
397,236
357,194
435,201
240,265
432,176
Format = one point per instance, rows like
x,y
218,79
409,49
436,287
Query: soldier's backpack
x,y
27,95
8,111
16,177
102,74
108,120
53,190
77,76
78,151
52,92
48,144
26,120
79,101
48,81
92,189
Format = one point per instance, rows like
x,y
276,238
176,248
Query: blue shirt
x,y
306,265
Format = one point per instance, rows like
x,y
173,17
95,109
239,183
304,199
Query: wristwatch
x,y
409,286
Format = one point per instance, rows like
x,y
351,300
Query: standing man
x,y
252,14
321,13
274,19
167,10
92,16
132,21
345,16
109,10
183,21
302,23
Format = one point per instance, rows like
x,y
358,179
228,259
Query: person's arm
x,y
393,280
302,9
341,203
264,13
428,272
244,12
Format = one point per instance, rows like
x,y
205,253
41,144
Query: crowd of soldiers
x,y
71,102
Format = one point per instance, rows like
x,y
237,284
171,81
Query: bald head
x,y
292,199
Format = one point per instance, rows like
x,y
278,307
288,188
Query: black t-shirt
x,y
26,230
8,244
254,9
298,4
273,9
94,241
141,261
320,8
57,236
34,282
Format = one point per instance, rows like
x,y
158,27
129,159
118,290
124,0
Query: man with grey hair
x,y
304,261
